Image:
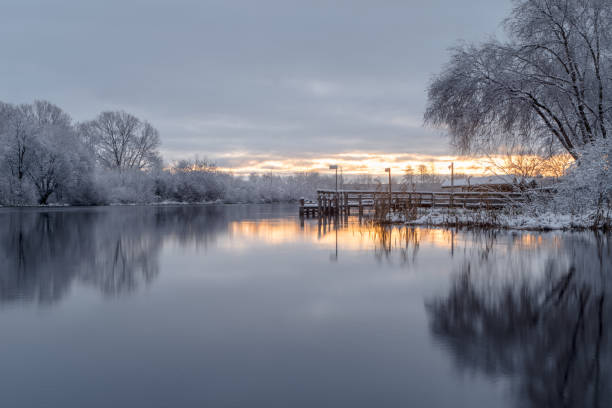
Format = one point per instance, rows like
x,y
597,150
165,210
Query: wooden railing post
x,y
345,202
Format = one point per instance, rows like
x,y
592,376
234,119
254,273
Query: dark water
x,y
241,306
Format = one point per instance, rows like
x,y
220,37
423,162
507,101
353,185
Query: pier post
x,y
336,203
325,205
360,206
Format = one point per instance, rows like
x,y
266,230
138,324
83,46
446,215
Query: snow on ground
x,y
477,218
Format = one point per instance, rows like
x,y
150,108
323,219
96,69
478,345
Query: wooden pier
x,y
332,202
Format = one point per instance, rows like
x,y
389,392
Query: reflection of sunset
x,y
351,235
530,241
270,232
355,236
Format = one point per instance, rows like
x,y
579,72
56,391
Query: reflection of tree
x,y
388,239
113,249
549,331
123,252
38,252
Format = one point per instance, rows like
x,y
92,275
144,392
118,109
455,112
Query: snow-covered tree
x,y
550,82
18,131
121,141
588,183
41,155
59,161
45,158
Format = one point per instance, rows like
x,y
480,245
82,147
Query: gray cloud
x,y
277,77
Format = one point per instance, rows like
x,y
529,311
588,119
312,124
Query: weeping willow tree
x,y
549,83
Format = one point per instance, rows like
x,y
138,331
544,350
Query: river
x,y
246,305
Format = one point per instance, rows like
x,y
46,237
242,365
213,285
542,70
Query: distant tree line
x,y
421,174
47,158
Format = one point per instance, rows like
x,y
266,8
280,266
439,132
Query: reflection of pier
x,y
331,202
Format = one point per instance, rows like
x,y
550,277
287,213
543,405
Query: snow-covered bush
x,y
189,181
123,187
588,183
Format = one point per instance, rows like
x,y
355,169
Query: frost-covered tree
x,y
550,82
60,165
191,181
522,161
121,141
41,155
45,158
58,159
557,165
589,184
45,113
49,166
18,131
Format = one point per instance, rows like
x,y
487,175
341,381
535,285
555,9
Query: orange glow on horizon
x,y
359,163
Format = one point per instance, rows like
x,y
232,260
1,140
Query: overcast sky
x,y
277,78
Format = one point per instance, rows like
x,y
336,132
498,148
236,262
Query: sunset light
x,y
360,163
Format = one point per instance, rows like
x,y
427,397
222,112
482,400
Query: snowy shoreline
x,y
150,204
545,221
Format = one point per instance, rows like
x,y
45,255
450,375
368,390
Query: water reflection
x,y
252,290
537,311
114,250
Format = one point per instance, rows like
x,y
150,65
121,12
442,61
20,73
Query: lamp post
x,y
335,167
388,170
452,169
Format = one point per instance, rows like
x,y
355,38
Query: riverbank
x,y
536,221
154,203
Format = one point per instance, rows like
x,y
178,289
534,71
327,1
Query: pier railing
x,y
332,202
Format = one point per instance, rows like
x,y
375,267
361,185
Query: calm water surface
x,y
244,306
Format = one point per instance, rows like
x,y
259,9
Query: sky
x,y
265,85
